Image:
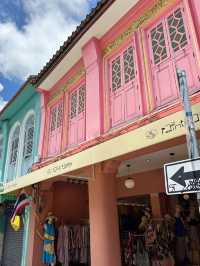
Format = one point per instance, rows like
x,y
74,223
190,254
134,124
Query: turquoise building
x,y
19,133
19,139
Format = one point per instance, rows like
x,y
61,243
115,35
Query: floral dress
x,y
49,256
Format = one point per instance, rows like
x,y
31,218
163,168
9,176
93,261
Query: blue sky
x,y
30,33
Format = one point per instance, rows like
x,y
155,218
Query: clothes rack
x,y
131,204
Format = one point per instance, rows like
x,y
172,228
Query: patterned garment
x,y
49,256
63,245
73,244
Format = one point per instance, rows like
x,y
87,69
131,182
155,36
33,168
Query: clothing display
x,y
73,245
49,256
171,240
159,243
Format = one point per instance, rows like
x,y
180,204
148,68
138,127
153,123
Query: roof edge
x,y
81,29
29,80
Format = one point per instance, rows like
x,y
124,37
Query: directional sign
x,y
182,176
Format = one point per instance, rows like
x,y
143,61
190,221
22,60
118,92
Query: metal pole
x,y
192,143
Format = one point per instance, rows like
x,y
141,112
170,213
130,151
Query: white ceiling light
x,y
186,197
129,183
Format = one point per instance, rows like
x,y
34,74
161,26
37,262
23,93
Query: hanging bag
x,y
15,223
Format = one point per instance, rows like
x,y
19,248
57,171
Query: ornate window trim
x,y
136,24
72,81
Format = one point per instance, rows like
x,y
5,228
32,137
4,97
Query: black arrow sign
x,y
180,176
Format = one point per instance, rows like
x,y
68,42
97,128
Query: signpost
x,y
184,176
192,144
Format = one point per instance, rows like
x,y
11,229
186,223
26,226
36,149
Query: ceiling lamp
x,y
129,183
186,197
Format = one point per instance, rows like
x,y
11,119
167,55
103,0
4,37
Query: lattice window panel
x,y
81,100
53,118
129,68
74,102
28,138
14,146
59,115
177,30
116,74
1,147
158,44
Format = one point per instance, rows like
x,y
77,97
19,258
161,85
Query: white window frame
x,y
22,143
17,124
25,129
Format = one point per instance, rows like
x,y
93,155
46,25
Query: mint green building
x,y
19,139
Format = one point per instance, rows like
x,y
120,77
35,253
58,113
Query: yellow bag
x,y
15,223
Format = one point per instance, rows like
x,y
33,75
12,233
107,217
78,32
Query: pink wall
x,y
195,11
70,202
43,129
145,183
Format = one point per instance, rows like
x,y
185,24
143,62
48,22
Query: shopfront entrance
x,y
156,228
66,201
173,238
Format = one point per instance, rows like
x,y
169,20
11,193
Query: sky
x,y
31,31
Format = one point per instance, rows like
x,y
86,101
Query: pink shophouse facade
x,y
119,78
110,96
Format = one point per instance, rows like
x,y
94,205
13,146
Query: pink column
x,y
31,235
195,12
43,136
93,62
155,205
104,227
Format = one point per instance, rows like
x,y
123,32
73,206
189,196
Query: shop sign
x,y
58,169
182,176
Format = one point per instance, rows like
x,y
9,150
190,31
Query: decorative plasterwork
x,y
147,15
69,83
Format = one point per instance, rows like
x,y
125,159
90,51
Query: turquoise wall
x,y
28,99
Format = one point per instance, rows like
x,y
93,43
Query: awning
x,y
156,132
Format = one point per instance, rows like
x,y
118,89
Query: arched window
x,y
26,153
14,146
28,137
13,152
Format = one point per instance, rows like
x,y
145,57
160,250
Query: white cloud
x,y
1,87
49,23
2,103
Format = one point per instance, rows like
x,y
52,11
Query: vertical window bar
x,y
129,68
177,30
116,74
81,100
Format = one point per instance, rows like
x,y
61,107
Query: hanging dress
x,y
49,256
